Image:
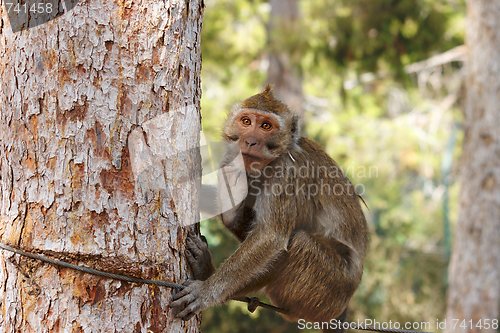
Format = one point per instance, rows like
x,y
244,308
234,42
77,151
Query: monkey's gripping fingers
x,y
189,301
199,257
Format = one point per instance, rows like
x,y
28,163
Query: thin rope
x,y
252,302
383,330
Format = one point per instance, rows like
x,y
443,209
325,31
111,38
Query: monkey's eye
x,y
246,121
266,126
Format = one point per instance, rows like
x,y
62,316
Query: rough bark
x,y
284,53
474,285
95,107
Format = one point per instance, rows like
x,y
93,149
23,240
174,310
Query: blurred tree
x,y
285,44
474,290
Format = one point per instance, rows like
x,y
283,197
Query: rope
x,y
92,271
253,302
383,330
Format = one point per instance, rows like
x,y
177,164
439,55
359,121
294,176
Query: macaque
x,y
302,230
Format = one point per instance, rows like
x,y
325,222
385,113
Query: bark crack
x,y
11,184
23,221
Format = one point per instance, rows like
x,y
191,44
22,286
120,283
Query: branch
x,y
455,54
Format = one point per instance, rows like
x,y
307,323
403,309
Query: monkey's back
x,y
325,255
337,209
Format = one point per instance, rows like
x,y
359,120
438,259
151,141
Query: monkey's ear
x,y
295,128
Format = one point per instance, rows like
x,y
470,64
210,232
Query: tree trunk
x,y
99,111
474,289
284,53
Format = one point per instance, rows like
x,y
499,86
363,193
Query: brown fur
x,y
306,249
265,101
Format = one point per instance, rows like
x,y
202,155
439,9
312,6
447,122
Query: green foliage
x,y
368,35
388,137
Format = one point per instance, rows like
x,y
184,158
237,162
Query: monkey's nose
x,y
250,142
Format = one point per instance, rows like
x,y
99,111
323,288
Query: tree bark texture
x,y
99,120
474,274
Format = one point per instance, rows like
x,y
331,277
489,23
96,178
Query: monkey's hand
x,y
198,257
190,300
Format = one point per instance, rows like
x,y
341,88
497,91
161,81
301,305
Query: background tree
x,y
474,290
89,103
284,52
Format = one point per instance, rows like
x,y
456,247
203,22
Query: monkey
x,y
302,230
198,256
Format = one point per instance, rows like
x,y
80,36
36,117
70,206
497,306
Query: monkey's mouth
x,y
254,161
251,156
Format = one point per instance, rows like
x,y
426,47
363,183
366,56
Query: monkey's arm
x,y
251,261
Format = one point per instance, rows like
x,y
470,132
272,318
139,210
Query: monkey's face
x,y
258,136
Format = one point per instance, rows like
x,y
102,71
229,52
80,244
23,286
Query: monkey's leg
x,y
316,283
265,277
